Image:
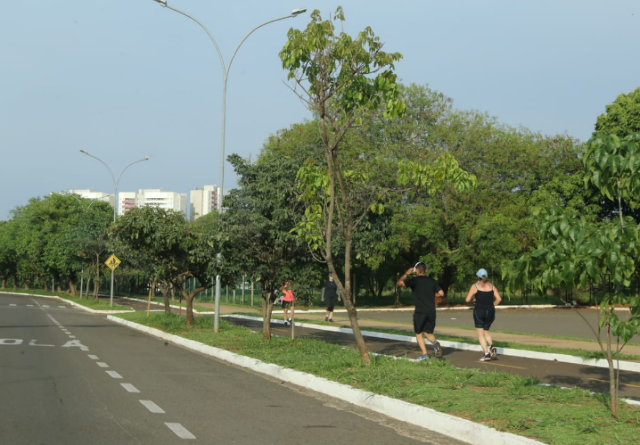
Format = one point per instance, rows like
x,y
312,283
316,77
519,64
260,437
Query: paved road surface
x,y
68,378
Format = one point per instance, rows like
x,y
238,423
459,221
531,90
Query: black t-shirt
x,y
424,292
330,289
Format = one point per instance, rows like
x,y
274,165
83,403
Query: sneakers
x,y
422,357
289,320
486,357
286,323
331,320
326,318
437,349
493,351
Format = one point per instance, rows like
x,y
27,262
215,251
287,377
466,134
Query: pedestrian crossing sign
x,y
112,262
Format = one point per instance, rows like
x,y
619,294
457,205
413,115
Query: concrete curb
x,y
79,306
461,429
624,366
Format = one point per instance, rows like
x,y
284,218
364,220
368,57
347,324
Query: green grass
x,y
506,402
99,305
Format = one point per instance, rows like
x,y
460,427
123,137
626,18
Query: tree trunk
x,y
267,310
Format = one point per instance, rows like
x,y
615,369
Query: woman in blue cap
x,y
486,298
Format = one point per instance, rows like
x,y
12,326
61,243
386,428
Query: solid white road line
x,y
114,374
130,388
102,364
93,357
152,407
180,431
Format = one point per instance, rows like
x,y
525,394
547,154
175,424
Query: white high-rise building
x,y
126,201
203,200
94,195
152,197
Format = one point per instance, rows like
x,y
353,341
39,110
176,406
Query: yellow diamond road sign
x,y
112,262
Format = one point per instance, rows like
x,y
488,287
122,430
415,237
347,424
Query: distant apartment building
x,y
94,195
126,201
152,197
203,200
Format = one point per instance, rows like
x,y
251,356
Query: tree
x,y
257,228
342,80
622,116
574,251
177,249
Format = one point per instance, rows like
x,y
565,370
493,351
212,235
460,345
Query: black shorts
x,y
286,304
483,317
330,308
424,322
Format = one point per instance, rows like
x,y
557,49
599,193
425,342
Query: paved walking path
x,y
342,318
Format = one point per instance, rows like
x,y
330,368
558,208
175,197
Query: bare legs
x,y
421,343
485,339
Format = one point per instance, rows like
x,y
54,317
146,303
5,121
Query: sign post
x,y
112,262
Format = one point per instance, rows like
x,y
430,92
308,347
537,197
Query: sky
x,y
123,79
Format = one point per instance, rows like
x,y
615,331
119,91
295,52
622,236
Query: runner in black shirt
x,y
330,295
486,298
425,290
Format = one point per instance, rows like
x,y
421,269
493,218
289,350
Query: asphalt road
x,y
68,378
557,322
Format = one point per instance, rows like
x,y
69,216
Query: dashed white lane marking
x,y
12,305
44,305
62,307
102,364
114,374
29,305
130,388
72,336
93,357
152,407
180,431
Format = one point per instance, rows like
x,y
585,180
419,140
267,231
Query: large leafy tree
x,y
621,117
574,251
257,228
178,250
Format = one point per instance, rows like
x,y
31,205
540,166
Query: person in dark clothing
x,y
425,290
330,295
486,298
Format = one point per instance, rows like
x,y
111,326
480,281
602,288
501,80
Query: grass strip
x,y
91,303
506,402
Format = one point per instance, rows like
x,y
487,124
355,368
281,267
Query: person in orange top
x,y
287,301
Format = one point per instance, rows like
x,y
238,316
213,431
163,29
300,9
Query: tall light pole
x,y
115,196
225,77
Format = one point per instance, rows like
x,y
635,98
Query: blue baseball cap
x,y
482,273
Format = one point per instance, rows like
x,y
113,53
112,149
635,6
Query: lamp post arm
x,y
224,69
113,178
115,183
251,32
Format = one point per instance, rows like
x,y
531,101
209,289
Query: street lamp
x,y
115,196
225,77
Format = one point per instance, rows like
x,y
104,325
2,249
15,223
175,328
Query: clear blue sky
x,y
126,78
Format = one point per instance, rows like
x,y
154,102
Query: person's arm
x,y
323,289
440,293
470,295
497,296
406,275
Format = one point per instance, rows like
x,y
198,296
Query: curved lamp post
x,y
225,77
115,197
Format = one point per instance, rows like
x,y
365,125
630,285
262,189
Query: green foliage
x,y
622,116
